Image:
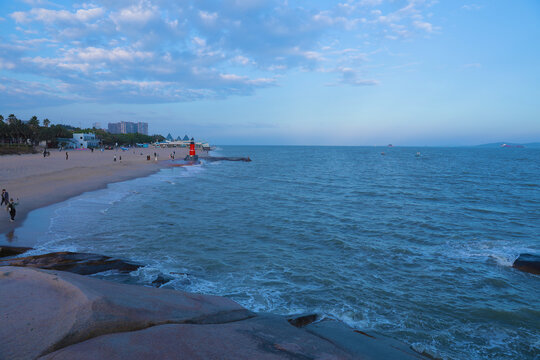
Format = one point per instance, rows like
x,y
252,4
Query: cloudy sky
x,y
349,72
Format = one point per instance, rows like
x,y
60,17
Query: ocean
x,y
416,248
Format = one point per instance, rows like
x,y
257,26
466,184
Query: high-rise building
x,y
142,128
114,128
126,127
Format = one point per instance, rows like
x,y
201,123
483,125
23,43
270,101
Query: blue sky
x,y
350,72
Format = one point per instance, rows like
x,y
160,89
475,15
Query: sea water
x,y
415,247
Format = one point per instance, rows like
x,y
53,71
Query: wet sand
x,y
37,181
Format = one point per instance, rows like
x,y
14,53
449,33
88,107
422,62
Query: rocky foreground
x,y
51,314
46,313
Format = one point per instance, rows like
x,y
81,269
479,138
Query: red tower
x,y
192,148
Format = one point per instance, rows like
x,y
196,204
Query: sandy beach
x,y
39,181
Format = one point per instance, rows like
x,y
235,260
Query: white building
x,y
86,140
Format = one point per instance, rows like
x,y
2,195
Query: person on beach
x,y
5,197
11,209
67,156
114,158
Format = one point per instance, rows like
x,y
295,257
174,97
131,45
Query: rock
x,y
302,320
79,263
161,280
262,337
528,262
43,311
225,158
361,344
6,251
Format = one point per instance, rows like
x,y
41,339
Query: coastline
x,y
39,182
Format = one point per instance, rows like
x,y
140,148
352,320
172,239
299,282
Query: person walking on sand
x,y
114,158
11,209
5,197
67,156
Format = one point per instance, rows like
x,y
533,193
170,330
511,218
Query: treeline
x,y
31,132
122,139
16,131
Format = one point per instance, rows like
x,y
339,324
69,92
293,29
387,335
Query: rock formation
x,y
528,263
6,251
58,315
79,263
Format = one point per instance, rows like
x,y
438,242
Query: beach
x,y
38,181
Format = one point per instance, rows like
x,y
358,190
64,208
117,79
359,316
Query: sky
x,y
279,72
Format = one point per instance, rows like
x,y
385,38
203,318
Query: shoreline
x,y
39,182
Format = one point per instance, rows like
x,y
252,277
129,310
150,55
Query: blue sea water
x,y
417,248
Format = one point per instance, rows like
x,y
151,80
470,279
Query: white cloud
x,y
471,7
370,2
350,77
4,64
153,50
208,18
423,26
54,16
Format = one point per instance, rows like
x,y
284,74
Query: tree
x,y
11,118
46,122
1,118
33,125
33,122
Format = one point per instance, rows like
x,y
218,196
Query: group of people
x,y
10,205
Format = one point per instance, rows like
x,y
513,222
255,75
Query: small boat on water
x,y
417,154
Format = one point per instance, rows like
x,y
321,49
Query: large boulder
x,y
263,337
6,251
363,345
529,263
43,311
79,263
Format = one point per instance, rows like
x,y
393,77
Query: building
x,y
126,127
86,140
142,128
79,141
114,128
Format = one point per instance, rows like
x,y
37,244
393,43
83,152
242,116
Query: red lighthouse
x,y
192,159
192,148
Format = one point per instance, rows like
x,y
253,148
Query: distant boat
x,y
512,146
417,154
383,153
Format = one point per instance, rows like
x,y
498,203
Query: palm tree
x,y
11,118
46,122
33,122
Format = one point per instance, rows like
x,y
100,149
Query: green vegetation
x,y
17,136
123,139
